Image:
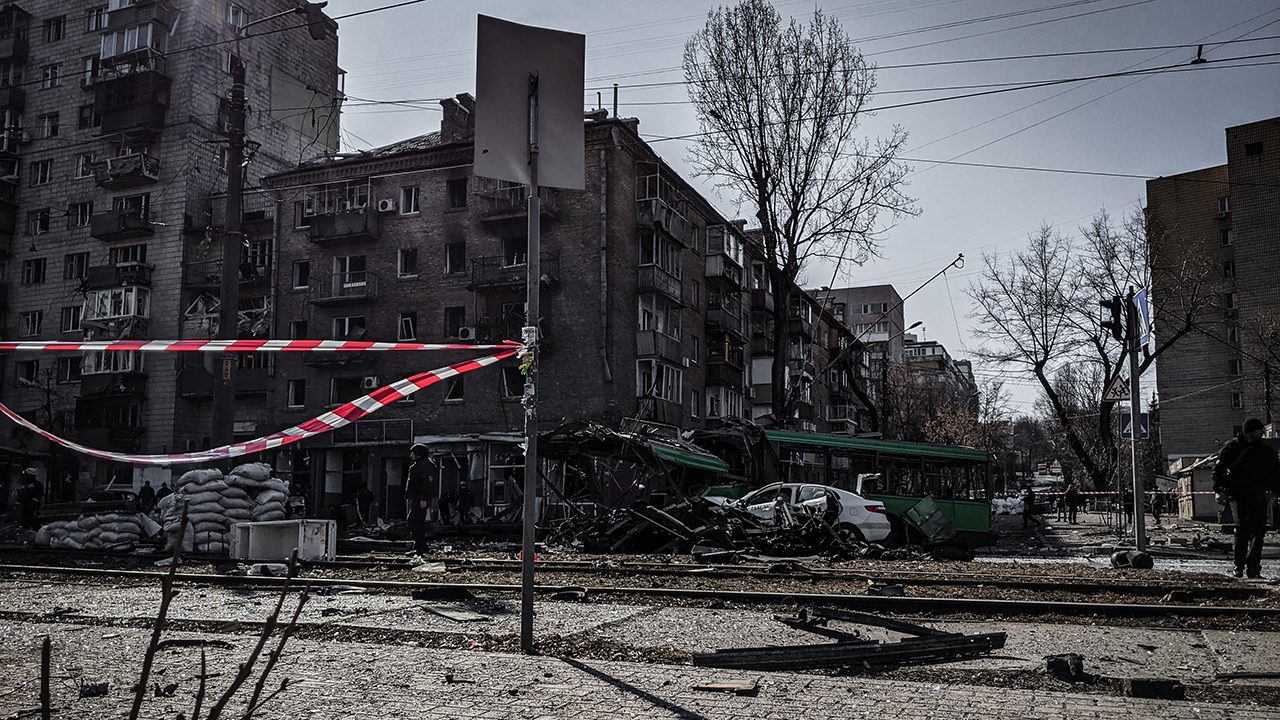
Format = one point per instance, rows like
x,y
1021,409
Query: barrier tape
x,y
249,346
338,417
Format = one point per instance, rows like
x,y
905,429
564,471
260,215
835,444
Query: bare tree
x,y
1038,312
779,105
982,423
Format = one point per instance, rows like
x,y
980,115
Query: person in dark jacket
x,y
1029,508
147,497
417,493
30,498
164,491
1073,500
1247,469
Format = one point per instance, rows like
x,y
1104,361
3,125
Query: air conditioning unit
x,y
369,382
688,362
1224,214
466,333
386,205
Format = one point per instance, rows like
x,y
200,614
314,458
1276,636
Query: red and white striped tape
x,y
332,420
249,346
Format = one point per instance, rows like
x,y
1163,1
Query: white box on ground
x,y
277,539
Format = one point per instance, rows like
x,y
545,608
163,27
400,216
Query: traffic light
x,y
1116,324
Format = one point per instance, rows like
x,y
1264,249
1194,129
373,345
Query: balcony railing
x,y
652,278
341,288
724,374
504,203
721,267
657,214
127,171
13,98
727,317
654,409
358,224
651,343
762,300
121,225
99,277
13,47
798,323
142,12
500,271
132,98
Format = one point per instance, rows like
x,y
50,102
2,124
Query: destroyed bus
x,y
901,475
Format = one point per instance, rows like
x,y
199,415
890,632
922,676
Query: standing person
x,y
417,494
164,491
1060,504
1029,507
1072,500
1157,505
146,497
1246,470
30,498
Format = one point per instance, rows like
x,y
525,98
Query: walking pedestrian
x,y
1073,500
418,496
146,497
164,491
30,497
1029,508
1246,470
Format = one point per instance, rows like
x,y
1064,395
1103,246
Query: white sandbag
x,y
254,471
231,503
71,543
268,508
267,497
199,476
43,536
213,548
196,518
120,526
196,499
166,502
270,516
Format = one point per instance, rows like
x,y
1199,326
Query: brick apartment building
x,y
648,296
1212,379
112,149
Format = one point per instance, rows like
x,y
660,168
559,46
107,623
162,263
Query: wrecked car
x,y
854,515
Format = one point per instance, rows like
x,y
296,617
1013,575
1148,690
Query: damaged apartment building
x,y
113,148
647,309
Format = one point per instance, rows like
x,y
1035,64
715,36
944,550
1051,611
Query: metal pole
x,y
1135,425
532,313
224,381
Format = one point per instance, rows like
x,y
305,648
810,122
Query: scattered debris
x,y
1156,688
455,612
1132,559
1068,668
167,690
193,642
578,594
746,688
93,690
1247,676
887,590
442,593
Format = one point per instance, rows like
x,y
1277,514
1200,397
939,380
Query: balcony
x,y
344,360
762,345
145,11
651,343
652,278
497,272
132,96
359,224
127,171
512,203
100,277
115,384
800,324
207,274
720,267
762,300
727,318
803,367
13,98
725,374
121,225
343,288
656,214
657,410
197,383
13,47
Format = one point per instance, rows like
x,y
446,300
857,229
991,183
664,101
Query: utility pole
x,y
532,311
224,381
1135,425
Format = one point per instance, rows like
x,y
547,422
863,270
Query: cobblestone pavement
x,y
353,680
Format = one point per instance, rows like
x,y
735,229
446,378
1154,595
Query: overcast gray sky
x,y
1147,125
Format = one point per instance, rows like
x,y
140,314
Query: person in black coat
x,y
1247,469
417,494
146,497
1073,500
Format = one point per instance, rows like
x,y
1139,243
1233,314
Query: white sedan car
x,y
862,518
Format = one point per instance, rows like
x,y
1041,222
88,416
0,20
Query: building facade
x,y
114,147
1221,373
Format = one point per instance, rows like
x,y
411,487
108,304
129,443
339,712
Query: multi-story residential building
x,y
113,146
1215,377
644,316
875,315
926,380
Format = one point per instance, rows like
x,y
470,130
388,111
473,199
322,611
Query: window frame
x,y
291,393
401,255
410,198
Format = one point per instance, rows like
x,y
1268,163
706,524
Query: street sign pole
x,y
1135,407
530,332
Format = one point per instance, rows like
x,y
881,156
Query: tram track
x,y
893,604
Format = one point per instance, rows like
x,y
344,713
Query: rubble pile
x,y
214,503
710,531
107,531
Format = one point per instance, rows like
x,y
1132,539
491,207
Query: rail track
x,y
895,604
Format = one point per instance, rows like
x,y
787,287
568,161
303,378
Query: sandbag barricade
x,y
106,531
215,503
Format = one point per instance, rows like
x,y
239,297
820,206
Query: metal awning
x,y
891,448
689,458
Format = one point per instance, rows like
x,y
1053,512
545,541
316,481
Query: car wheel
x,y
850,533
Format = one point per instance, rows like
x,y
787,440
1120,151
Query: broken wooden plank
x,y
746,688
455,612
854,656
